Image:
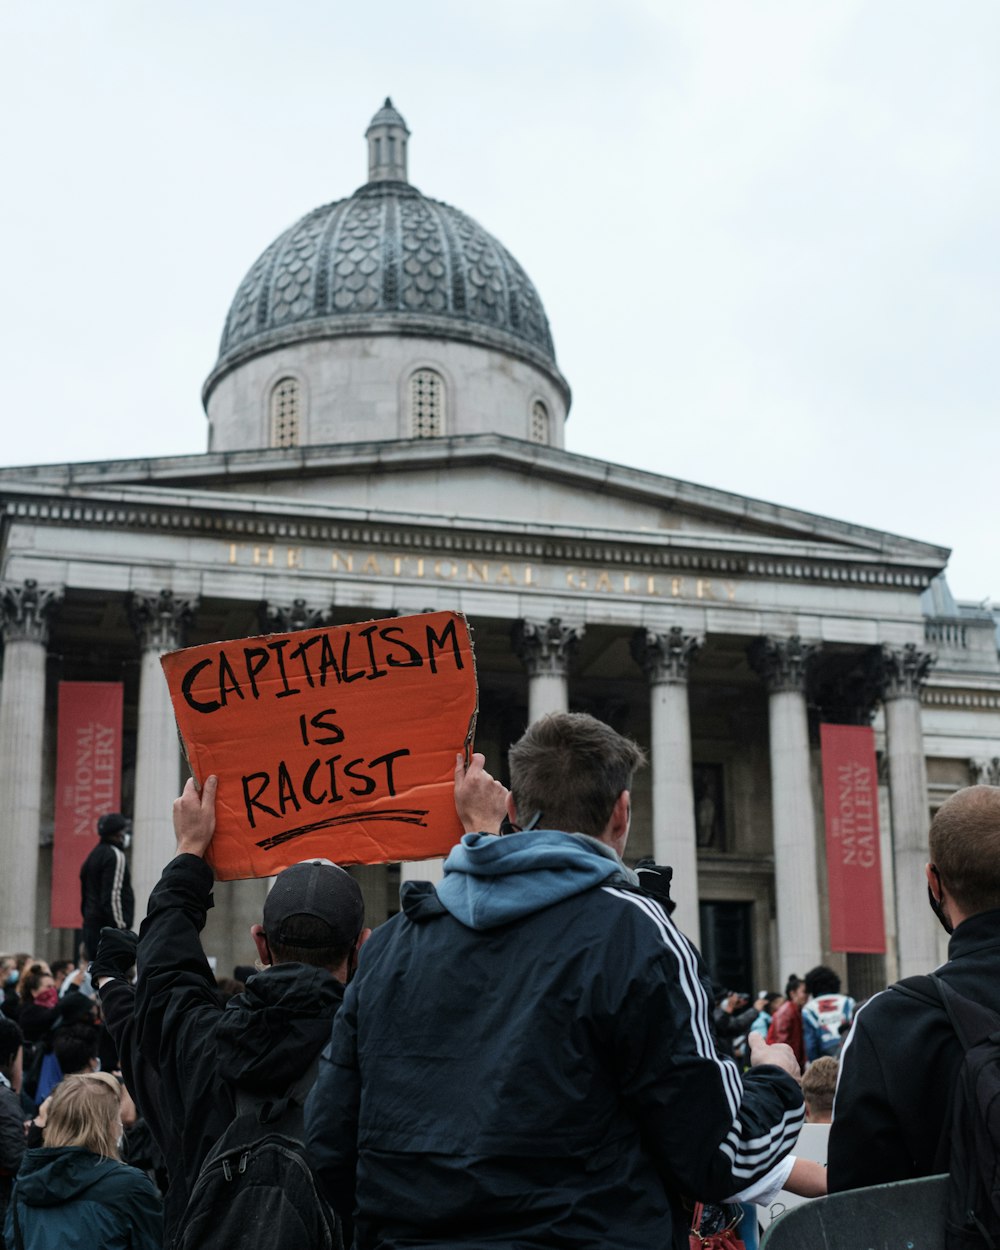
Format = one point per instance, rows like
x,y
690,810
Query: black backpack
x,y
255,1187
969,1147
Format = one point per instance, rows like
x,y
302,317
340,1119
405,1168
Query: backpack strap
x,y
923,988
973,1022
269,1108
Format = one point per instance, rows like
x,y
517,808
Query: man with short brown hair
x,y
525,1056
902,1056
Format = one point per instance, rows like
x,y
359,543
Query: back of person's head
x,y
112,826
86,1111
819,1084
11,1041
75,1047
792,984
60,969
965,847
313,914
822,980
571,768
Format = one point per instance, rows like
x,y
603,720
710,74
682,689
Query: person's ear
x,y
260,941
933,882
618,826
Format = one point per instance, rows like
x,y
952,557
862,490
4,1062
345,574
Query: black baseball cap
x,y
314,888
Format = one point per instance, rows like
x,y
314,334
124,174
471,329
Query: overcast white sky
x,y
765,231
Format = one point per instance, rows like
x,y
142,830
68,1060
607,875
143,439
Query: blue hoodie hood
x,y
491,880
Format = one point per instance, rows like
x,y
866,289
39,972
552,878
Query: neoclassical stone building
x,y
386,435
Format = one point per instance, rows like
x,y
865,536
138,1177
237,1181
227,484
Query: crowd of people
x,y
529,1054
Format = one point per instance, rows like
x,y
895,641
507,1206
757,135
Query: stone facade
x,y
716,629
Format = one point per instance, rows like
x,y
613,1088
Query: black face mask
x,y
935,903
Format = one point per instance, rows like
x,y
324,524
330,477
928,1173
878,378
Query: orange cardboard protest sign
x,y
337,742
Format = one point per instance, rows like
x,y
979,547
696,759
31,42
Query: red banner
x,y
88,784
854,870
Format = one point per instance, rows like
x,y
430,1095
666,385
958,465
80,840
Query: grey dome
x,y
387,260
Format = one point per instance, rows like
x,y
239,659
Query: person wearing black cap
x,y
106,898
188,1055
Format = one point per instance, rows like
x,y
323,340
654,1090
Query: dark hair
x,y
31,980
74,1046
11,1040
792,984
571,768
819,1084
822,980
60,967
965,847
320,947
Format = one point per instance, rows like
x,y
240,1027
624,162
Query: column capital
x,y
783,663
159,620
546,647
664,657
983,772
285,618
25,609
902,671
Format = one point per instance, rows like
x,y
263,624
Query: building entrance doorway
x,y
727,944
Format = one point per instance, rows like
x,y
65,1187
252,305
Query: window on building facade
x,y
539,422
286,406
426,404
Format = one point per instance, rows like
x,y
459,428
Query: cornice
x,y
546,463
975,700
253,519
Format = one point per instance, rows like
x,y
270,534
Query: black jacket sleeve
x,y
12,1142
335,1100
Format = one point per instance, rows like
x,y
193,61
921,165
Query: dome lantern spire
x,y
387,135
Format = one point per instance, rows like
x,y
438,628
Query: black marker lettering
x,y
230,686
256,659
327,661
387,760
366,634
368,782
307,792
300,654
345,676
434,640
278,649
253,800
188,681
416,659
286,791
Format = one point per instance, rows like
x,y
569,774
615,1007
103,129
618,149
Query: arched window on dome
x,y
286,412
426,404
539,432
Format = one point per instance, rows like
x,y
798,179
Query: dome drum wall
x,y
357,388
361,292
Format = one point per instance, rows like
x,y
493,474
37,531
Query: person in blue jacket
x,y
525,1055
73,1192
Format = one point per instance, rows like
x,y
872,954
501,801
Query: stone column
x,y
783,664
665,658
24,613
158,621
546,649
903,671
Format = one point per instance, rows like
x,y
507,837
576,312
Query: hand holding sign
x,y
335,742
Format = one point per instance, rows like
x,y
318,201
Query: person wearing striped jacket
x,y
525,1056
106,898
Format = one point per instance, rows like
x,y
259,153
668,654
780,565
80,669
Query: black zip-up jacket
x,y
201,1052
899,1066
106,897
549,1081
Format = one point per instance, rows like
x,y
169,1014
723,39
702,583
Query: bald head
x,y
965,847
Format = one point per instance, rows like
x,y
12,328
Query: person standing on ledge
x,y
106,898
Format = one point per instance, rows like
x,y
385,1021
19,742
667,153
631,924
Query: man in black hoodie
x,y
264,1039
106,897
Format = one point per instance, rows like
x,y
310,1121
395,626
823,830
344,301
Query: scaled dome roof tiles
x,y
387,251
